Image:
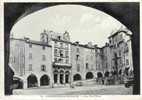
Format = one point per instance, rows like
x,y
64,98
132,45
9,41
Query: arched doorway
x,y
100,78
55,76
44,80
32,81
115,73
99,75
67,73
77,77
61,77
120,72
17,83
89,75
106,74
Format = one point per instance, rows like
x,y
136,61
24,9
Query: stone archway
x,y
61,77
77,77
55,76
89,75
106,74
32,81
17,83
44,80
67,75
99,75
120,72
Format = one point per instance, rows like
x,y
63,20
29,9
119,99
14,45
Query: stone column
x,y
25,84
38,82
51,81
58,78
64,78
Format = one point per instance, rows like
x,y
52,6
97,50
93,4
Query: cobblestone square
x,y
82,90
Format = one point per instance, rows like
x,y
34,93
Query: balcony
x,y
64,65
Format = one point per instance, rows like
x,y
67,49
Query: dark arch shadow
x,y
99,75
44,80
77,77
17,83
128,15
106,74
89,75
32,81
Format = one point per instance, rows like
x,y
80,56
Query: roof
x,y
61,41
32,42
118,33
81,45
38,43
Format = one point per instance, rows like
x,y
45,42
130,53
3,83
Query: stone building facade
x,y
56,61
31,62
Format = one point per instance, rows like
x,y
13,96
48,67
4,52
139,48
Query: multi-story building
x,y
31,62
55,60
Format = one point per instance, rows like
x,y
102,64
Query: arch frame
x,y
89,75
44,80
32,81
77,77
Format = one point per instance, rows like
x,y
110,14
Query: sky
x,y
84,24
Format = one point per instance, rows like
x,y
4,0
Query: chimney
x,y
77,42
89,44
95,45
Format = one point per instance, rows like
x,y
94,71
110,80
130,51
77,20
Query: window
x,y
66,53
43,68
60,60
61,53
55,59
67,61
56,44
78,67
59,37
61,45
66,46
77,57
55,52
126,50
30,45
30,55
43,57
127,62
77,49
43,47
121,36
120,61
30,67
87,66
119,52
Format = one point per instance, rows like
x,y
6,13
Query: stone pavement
x,y
80,90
